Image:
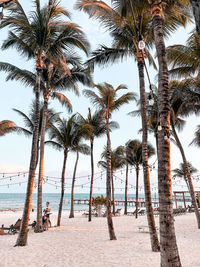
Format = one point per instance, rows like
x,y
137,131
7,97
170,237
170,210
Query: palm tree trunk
x,y
148,203
126,191
196,11
188,175
108,184
137,189
169,250
23,234
92,179
39,227
113,192
73,183
62,188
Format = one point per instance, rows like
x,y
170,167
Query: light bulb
x,y
159,127
151,102
141,45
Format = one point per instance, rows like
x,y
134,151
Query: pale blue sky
x,y
15,149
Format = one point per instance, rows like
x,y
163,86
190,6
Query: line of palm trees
x,y
49,37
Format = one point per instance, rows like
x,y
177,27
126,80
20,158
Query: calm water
x,y
16,201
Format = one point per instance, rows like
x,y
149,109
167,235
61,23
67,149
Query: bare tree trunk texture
x,y
168,245
108,184
92,179
126,191
39,226
113,192
62,188
155,246
23,234
136,195
71,215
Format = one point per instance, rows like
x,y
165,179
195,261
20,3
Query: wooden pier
x,y
130,202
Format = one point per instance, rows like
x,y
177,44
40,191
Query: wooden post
x,y
199,198
184,200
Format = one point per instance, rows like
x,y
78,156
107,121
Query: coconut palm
x,y
181,173
64,137
6,127
98,129
29,119
134,151
108,102
78,148
39,33
184,60
117,162
196,140
179,107
129,22
169,250
53,80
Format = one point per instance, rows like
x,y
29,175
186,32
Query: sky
x,y
15,149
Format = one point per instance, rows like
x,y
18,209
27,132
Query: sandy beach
x,y
79,243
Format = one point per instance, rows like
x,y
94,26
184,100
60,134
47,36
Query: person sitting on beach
x,y
47,211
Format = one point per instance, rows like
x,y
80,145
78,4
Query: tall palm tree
x,y
108,102
179,107
134,149
78,148
196,11
184,60
6,127
117,162
181,173
64,137
36,34
98,129
196,140
169,249
127,32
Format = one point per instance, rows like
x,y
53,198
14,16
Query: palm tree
x,y
29,119
6,127
78,148
181,173
117,162
107,101
39,33
196,140
98,129
185,59
179,107
64,137
129,22
169,249
196,11
134,149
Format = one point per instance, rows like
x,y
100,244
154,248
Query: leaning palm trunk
x,y
108,184
39,227
23,234
62,188
137,189
149,209
73,183
188,175
169,250
113,192
196,11
92,179
126,191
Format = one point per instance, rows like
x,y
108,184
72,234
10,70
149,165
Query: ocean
x,y
16,200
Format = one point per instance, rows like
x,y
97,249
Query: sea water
x,y
16,201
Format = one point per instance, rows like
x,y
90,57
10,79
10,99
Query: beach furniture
x,y
141,212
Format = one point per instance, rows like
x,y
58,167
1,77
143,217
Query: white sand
x,y
79,243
